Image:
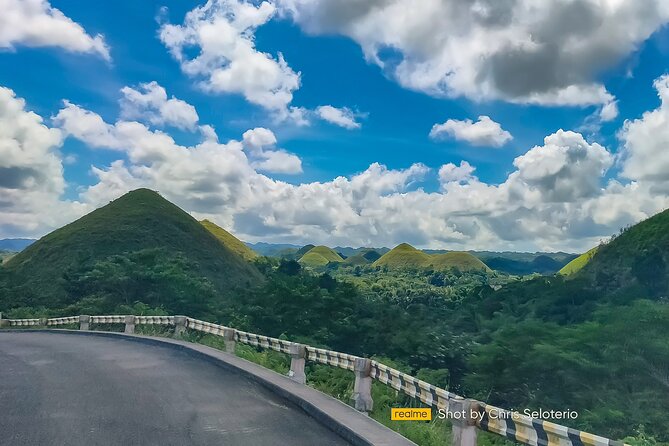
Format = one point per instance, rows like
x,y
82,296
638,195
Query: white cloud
x,y
228,60
484,132
260,143
646,142
343,117
557,195
31,172
521,51
450,172
35,23
150,103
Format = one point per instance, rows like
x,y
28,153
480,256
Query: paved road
x,y
58,389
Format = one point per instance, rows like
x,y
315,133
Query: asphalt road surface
x,y
59,389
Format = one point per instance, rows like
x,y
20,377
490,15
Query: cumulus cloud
x,y
35,23
260,142
558,195
484,132
521,51
450,172
646,142
150,102
222,31
31,171
343,117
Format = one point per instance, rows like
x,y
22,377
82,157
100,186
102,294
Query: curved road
x,y
58,389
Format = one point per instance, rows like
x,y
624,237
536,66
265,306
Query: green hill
x,y
229,240
639,256
463,261
404,256
138,220
319,256
578,263
357,260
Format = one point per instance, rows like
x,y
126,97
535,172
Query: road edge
x,y
353,426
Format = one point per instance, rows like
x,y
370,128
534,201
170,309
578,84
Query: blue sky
x,y
395,109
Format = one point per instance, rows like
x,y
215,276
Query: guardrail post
x,y
362,389
3,322
298,354
43,322
130,324
84,322
229,339
179,326
464,428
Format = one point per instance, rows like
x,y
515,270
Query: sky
x,y
478,124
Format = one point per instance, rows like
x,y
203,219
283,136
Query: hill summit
x,y
406,256
139,220
320,256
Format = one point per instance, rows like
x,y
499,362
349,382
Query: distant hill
x,y
139,220
319,256
303,250
639,256
406,256
15,244
541,264
578,263
229,240
463,261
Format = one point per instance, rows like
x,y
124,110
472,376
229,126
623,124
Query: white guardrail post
x,y
179,326
298,355
130,324
464,427
229,339
362,389
84,322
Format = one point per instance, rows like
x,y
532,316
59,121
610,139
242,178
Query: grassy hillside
x,y
139,220
463,261
406,256
319,256
578,263
229,240
638,256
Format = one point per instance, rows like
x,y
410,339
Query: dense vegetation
x,y
594,342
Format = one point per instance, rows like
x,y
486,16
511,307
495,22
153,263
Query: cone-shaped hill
x,y
320,256
138,220
405,256
639,256
229,240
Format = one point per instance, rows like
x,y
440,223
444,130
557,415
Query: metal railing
x,y
475,414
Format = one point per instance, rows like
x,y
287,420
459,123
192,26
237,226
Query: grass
x,y
578,263
319,256
233,243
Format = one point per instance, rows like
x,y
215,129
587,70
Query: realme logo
x,y
401,414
